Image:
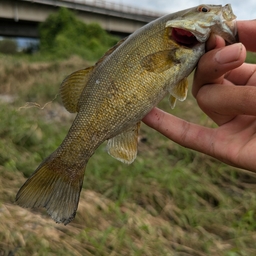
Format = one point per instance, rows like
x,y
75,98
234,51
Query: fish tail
x,y
53,186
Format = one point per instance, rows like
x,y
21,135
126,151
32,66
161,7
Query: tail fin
x,y
54,187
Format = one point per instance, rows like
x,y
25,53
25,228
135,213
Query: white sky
x,y
243,9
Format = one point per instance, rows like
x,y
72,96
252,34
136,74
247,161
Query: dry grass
x,y
102,227
171,201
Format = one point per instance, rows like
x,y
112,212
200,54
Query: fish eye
x,y
203,8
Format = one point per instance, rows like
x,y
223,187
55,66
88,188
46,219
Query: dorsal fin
x,y
110,51
72,87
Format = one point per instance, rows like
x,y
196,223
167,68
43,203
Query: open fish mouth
x,y
195,26
183,37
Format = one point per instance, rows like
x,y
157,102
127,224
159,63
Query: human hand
x,y
225,89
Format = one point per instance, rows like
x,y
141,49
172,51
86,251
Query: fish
x,y
111,98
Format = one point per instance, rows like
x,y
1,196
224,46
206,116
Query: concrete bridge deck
x,y
21,17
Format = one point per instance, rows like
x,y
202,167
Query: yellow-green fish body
x,y
114,95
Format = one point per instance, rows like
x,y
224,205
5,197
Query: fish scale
x,y
113,96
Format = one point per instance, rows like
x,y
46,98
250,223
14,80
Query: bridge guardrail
x,y
103,4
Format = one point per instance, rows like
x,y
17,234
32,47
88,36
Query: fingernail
x,y
229,53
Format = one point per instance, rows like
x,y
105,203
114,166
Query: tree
x,y
62,34
8,46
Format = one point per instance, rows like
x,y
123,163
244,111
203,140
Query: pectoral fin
x,y
124,146
160,61
72,87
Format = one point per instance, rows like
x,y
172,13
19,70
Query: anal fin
x,y
124,146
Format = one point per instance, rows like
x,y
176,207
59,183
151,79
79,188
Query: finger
x,y
214,41
184,133
214,64
219,143
243,75
247,33
223,102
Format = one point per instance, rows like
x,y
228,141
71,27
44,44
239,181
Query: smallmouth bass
x,y
113,96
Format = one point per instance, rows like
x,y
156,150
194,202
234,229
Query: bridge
x,y
20,18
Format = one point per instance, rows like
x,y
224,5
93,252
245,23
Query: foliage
x,y
8,46
251,57
62,35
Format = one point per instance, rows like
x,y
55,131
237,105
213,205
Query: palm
x,y
225,90
235,142
233,109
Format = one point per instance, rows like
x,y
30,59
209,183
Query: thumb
x,y
216,63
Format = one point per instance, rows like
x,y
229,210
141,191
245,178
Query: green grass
x,y
251,57
170,201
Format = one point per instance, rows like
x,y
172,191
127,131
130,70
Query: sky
x,y
243,9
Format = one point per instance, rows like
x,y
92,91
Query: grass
x,y
170,201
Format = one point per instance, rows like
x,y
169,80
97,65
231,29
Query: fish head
x,y
195,25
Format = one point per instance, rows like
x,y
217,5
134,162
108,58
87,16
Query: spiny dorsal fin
x,y
110,51
124,146
72,87
161,61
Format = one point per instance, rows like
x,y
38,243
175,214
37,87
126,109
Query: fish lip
x,y
222,23
228,18
231,36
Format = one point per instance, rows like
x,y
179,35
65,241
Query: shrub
x,y
8,46
62,35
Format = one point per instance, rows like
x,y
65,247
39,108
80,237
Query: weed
x,y
170,201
